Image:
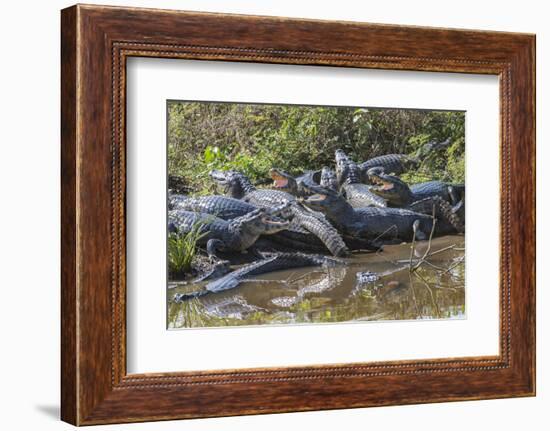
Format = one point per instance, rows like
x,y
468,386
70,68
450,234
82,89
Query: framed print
x,y
258,208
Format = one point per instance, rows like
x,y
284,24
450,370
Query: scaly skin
x,y
447,191
298,232
328,179
175,199
239,186
358,195
391,163
449,218
279,261
371,222
398,194
236,235
398,164
221,206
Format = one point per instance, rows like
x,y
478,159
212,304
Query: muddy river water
x,y
394,284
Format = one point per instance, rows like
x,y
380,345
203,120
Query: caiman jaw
x,y
275,224
384,185
380,184
279,181
218,176
315,198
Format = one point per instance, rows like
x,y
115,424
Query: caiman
x,y
398,193
382,224
348,175
283,181
398,164
238,186
447,198
294,237
238,234
276,262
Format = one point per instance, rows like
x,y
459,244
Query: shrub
x,y
254,138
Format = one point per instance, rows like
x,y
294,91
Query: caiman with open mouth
x,y
348,175
237,235
238,186
295,185
382,224
447,200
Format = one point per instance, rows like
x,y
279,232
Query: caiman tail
x,y
321,228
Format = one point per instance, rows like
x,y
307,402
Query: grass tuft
x,y
183,248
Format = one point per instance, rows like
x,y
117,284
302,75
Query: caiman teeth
x,y
276,222
316,198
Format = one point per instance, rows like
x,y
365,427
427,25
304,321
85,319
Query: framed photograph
x,y
264,215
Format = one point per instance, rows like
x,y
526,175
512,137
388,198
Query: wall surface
x,y
29,219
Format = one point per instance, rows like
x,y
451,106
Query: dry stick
x,y
386,231
411,285
450,247
454,265
412,248
437,268
429,242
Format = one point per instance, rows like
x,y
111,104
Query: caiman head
x,y
232,182
410,163
328,179
394,190
330,203
260,222
283,181
294,185
431,147
347,170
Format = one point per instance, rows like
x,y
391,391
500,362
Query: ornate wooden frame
x,y
95,43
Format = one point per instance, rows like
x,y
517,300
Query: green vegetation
x,y
254,138
182,249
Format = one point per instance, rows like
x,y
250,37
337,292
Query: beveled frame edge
x,y
95,43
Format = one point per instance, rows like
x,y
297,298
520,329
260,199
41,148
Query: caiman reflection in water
x,y
391,285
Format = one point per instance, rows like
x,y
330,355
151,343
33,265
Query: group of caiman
x,y
300,221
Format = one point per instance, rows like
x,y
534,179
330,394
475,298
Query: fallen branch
x,y
423,259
